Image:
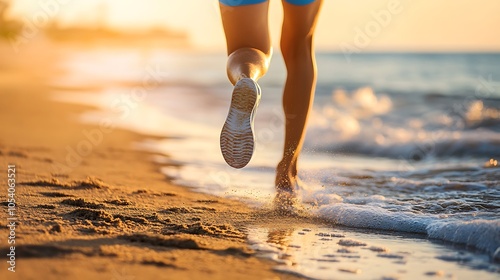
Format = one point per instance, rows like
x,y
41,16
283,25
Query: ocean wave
x,y
366,123
470,146
481,234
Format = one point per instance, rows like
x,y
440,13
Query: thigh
x,y
246,24
300,17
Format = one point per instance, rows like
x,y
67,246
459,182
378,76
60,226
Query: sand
x,y
107,212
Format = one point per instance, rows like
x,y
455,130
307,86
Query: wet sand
x,y
91,207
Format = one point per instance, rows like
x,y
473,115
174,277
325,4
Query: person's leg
x,y
247,39
248,45
299,22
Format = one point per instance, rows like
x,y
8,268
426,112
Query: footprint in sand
x,y
351,243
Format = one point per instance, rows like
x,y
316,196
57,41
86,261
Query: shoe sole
x,y
237,140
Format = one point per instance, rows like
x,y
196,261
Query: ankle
x,y
288,167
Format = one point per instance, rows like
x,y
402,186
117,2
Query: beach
x,y
109,186
113,215
113,162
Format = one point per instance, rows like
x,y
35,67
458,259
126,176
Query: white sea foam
x,y
481,234
368,123
366,216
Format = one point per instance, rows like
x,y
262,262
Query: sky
x,y
352,25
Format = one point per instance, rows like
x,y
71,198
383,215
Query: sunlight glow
x,y
420,25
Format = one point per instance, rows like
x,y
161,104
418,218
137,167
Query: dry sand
x,y
111,215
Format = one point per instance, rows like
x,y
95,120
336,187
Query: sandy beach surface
x,y
106,213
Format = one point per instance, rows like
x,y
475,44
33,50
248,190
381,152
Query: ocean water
x,y
404,143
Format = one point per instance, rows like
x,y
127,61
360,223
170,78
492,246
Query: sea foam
x,y
481,234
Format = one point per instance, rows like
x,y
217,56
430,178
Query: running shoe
x,y
237,139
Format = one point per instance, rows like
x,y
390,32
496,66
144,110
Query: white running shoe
x,y
237,140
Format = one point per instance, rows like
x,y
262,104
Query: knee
x,y
296,45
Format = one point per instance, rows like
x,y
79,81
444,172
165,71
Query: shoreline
x,y
91,193
113,213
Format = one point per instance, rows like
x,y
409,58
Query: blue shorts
x,y
235,3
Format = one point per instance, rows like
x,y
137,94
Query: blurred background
x,y
417,25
